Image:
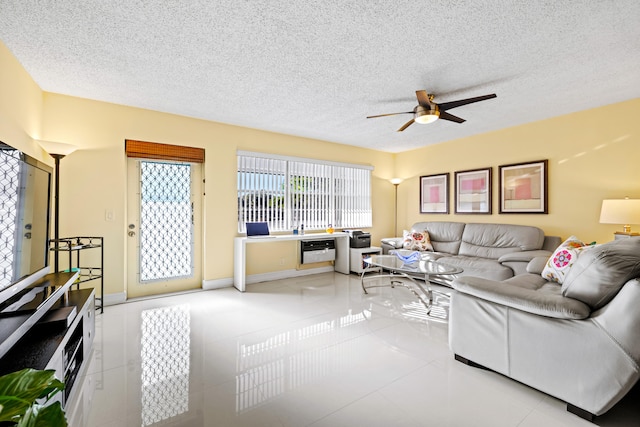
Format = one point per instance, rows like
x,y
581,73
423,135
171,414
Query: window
x,y
288,192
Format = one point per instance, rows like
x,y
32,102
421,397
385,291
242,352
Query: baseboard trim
x,y
265,277
114,299
227,282
285,274
209,285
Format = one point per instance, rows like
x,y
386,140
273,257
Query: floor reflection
x,y
293,358
291,355
290,359
165,355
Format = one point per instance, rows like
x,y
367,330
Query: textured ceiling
x,y
317,69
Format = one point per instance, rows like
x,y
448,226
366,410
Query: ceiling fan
x,y
428,111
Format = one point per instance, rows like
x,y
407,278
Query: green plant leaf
x,y
19,391
52,415
44,416
29,417
55,386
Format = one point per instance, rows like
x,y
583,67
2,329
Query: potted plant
x,y
25,398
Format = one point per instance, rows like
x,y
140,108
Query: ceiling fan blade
x,y
423,98
390,114
406,125
446,116
453,104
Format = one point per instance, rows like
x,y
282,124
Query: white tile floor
x,y
311,351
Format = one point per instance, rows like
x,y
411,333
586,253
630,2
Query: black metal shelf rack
x,y
73,246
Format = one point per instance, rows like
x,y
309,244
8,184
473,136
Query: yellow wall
x,y
591,157
20,107
93,179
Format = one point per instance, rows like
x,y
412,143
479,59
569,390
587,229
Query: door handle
x,y
131,233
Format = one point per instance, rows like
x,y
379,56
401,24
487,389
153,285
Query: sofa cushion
x,y
524,256
537,264
602,270
494,240
480,267
527,292
445,236
417,241
560,262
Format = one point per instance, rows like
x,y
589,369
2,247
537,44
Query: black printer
x,y
359,239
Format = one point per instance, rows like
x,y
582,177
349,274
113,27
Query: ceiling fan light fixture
x,y
428,111
427,116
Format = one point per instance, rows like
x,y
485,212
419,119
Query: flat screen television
x,y
25,200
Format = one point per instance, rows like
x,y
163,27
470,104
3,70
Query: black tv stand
x,y
34,340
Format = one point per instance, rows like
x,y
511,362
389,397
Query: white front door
x,y
164,230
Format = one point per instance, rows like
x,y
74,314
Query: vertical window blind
x,y
290,192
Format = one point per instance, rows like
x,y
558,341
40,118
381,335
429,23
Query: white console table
x,y
341,264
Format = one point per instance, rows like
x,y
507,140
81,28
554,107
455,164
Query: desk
x,y
341,264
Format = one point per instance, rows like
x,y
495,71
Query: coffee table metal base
x,y
424,295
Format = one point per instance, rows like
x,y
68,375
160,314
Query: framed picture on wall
x,y
523,188
473,191
434,193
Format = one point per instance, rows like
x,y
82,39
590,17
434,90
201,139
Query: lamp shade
x,y
620,211
59,148
395,181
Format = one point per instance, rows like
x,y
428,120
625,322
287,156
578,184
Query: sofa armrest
x,y
523,299
537,265
390,243
524,256
621,318
396,242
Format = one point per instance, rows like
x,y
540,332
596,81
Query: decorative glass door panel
x,y
164,227
10,177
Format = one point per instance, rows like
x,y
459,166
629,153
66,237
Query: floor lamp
x,y
57,150
395,182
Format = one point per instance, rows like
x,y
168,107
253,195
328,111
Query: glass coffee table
x,y
405,275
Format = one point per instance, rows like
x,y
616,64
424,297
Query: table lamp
x,y
621,211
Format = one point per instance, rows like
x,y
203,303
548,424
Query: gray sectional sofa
x,y
578,341
490,251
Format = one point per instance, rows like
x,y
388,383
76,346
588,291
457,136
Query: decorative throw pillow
x,y
560,263
417,241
